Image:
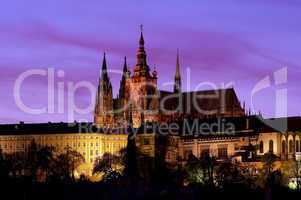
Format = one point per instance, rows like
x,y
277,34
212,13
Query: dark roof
x,y
227,126
256,124
206,102
51,128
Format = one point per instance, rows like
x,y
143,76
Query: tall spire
x,y
141,41
104,98
141,68
104,70
123,80
125,67
177,84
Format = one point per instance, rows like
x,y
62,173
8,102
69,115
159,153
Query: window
x,y
91,144
96,152
297,146
271,146
222,153
97,144
261,147
91,152
290,146
283,146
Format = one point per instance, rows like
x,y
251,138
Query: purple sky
x,y
220,41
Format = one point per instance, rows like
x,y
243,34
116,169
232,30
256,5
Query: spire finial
x,y
177,86
141,42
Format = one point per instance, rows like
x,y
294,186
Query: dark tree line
x,y
40,163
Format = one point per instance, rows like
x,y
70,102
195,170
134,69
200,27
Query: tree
x,y
194,170
32,160
109,165
268,160
4,171
65,164
45,158
208,164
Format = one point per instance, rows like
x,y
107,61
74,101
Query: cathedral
x,y
139,95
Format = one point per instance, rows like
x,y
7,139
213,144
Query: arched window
x,y
290,146
283,146
271,146
261,147
297,146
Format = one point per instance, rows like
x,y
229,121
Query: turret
x,y
178,82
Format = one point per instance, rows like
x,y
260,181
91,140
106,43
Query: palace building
x,y
203,122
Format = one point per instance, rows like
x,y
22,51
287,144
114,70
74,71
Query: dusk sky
x,y
220,41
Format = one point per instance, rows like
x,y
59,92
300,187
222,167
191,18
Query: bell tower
x,y
142,89
103,114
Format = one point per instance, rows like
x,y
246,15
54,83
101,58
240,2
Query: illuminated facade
x,y
17,138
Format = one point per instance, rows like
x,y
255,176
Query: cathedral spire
x,y
123,80
141,68
177,85
125,66
104,98
104,71
141,41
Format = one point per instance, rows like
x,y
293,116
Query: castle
x,y
140,95
142,102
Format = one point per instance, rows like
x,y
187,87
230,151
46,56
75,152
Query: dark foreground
x,y
102,191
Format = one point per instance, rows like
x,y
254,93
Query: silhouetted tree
x,y
208,164
45,158
4,171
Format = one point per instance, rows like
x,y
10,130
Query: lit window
x,y
222,153
297,146
271,146
283,146
261,147
290,146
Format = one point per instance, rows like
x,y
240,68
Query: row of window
x,y
283,146
222,152
291,146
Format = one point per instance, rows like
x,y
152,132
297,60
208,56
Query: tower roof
x,y
104,73
125,67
